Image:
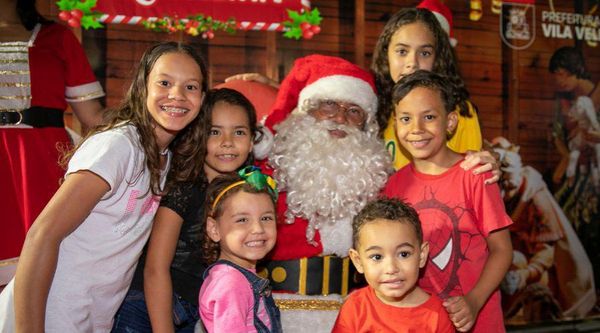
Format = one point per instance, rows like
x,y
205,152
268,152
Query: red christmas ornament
x,y
307,34
73,22
77,13
64,15
304,26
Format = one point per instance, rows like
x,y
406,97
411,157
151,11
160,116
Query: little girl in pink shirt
x,y
241,230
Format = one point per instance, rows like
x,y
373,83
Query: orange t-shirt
x,y
364,312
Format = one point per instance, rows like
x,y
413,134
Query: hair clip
x,y
253,176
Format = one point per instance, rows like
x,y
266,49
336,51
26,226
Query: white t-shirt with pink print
x,y
96,261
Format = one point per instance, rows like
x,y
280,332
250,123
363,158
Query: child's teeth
x,y
174,109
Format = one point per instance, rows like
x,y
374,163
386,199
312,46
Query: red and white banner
x,y
249,14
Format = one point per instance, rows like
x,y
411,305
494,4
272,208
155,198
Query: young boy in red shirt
x,y
389,250
463,219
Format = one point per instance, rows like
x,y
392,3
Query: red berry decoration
x,y
73,22
191,24
315,29
77,13
304,26
307,34
64,15
210,34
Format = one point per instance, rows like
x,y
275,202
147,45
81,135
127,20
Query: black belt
x,y
311,276
35,116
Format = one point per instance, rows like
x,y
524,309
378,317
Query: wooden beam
x,y
359,32
510,93
272,65
514,122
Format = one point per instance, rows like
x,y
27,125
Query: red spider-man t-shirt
x,y
457,212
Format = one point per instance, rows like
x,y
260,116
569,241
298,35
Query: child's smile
x,y
418,144
229,139
422,126
391,263
174,94
246,231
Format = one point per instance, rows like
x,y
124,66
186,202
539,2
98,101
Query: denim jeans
x,y
133,316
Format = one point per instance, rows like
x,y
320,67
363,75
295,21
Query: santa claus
x,y
328,161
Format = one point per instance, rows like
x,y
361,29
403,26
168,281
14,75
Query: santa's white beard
x,y
328,180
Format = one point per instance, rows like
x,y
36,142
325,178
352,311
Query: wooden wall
x,y
512,89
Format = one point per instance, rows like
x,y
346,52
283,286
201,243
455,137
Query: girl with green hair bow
x,y
241,229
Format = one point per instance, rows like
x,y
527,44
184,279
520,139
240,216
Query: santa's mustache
x,y
330,125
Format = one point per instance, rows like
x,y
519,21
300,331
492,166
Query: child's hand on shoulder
x,y
462,311
483,161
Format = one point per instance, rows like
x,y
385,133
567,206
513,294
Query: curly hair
x,y
211,249
188,154
391,209
444,63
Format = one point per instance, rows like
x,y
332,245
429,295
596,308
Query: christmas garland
x,y
193,25
79,13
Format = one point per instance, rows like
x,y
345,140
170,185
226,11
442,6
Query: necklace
x,y
164,152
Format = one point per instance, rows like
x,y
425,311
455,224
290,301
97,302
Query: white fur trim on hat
x,y
446,26
262,148
339,88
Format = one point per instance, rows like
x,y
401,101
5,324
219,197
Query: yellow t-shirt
x,y
467,137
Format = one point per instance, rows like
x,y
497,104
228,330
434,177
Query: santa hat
x,y
443,15
319,77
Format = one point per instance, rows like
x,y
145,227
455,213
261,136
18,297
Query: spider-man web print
x,y
450,242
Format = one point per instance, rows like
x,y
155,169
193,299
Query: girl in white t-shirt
x,y
80,253
163,296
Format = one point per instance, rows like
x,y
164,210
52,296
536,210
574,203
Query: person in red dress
x,y
44,70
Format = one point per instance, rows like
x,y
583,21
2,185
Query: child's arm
x,y
158,286
463,310
257,77
89,113
67,209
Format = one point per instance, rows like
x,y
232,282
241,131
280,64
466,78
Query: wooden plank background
x,y
484,62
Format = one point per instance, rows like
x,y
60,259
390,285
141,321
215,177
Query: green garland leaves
x,y
304,24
